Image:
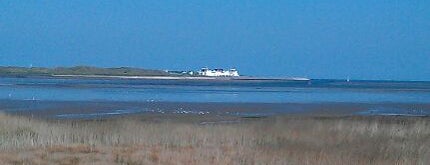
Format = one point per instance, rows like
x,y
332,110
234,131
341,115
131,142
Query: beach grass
x,y
272,140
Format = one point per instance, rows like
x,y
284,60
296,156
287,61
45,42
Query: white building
x,y
218,72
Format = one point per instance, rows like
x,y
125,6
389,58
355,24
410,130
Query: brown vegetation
x,y
277,140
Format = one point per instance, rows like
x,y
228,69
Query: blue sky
x,y
363,39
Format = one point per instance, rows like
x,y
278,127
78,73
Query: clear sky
x,y
362,39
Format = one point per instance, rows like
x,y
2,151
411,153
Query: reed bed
x,y
273,140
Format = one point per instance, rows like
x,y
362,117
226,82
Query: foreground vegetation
x,y
277,140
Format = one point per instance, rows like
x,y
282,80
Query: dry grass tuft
x,y
85,149
72,160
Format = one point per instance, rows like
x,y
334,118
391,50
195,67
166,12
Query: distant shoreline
x,y
135,77
120,73
182,77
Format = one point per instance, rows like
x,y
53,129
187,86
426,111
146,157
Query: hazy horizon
x,y
364,40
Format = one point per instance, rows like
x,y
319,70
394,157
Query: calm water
x,y
274,91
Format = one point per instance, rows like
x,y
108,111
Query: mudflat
x,y
106,109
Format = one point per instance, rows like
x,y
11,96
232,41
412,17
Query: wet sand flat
x,y
100,109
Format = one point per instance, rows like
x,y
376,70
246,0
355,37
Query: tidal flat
x,y
193,139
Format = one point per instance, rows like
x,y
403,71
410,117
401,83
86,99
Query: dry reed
x,y
275,140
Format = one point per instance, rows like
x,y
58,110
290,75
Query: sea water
x,y
264,91
19,93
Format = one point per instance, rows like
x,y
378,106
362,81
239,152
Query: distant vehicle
x,y
218,72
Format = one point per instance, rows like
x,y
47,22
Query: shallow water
x,y
44,92
269,91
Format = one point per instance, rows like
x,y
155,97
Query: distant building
x,y
190,73
218,72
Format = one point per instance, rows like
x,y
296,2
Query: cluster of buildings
x,y
218,72
209,72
